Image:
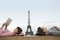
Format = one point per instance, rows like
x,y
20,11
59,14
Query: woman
x,y
17,31
40,32
45,30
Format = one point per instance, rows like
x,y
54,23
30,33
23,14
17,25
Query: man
x,y
54,31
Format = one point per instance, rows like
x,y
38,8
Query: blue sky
x,y
43,13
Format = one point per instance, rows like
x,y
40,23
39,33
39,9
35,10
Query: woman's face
x,y
15,30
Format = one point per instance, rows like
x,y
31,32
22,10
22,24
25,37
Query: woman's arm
x,y
8,34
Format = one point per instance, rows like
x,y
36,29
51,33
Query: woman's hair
x,y
19,30
40,32
40,29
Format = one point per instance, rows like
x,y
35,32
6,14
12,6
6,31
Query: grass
x,y
31,38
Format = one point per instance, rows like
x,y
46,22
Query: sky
x,y
42,12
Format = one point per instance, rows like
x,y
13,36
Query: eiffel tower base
x,y
29,33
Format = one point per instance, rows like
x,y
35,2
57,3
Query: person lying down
x,y
17,32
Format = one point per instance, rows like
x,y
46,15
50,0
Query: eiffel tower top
x,y
28,17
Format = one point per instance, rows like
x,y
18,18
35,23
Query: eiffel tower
x,y
29,30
